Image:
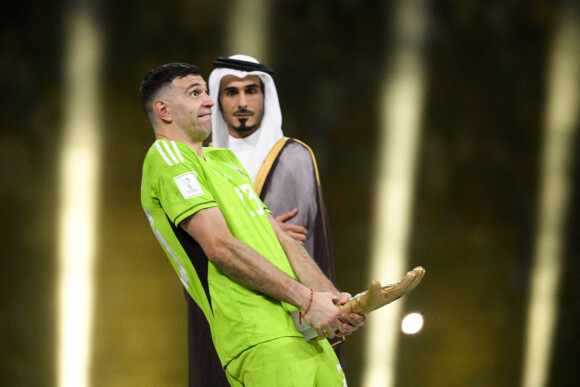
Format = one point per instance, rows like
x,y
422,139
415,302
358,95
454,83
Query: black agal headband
x,y
242,65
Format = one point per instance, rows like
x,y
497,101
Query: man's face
x,y
242,104
191,106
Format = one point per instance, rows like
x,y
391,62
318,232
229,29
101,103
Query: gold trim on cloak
x,y
267,165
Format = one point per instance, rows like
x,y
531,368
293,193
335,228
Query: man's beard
x,y
242,128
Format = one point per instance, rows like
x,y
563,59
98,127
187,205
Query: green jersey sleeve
x,y
178,181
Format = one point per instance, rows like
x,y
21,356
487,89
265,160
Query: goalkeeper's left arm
x,y
309,274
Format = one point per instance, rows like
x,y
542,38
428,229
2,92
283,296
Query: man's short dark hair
x,y
159,77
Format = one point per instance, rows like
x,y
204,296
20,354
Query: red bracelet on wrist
x,y
301,314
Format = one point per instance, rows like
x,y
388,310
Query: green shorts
x,y
285,362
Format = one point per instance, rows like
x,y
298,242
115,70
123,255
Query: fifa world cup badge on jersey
x,y
188,185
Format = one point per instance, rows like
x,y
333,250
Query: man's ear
x,y
162,110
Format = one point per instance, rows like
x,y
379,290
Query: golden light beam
x,y
78,202
248,29
402,106
561,120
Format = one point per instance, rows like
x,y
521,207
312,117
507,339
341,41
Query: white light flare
x,y
402,106
78,185
412,323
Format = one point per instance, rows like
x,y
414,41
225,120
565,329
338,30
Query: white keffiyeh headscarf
x,y
252,150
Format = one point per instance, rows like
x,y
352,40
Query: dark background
x,y
474,223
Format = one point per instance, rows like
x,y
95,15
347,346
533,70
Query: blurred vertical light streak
x,y
401,107
248,29
563,106
78,185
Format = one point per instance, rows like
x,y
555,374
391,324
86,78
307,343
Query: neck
x,y
242,133
196,146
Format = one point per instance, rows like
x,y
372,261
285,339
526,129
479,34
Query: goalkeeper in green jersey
x,y
246,274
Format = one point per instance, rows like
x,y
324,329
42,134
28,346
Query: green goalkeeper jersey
x,y
176,184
